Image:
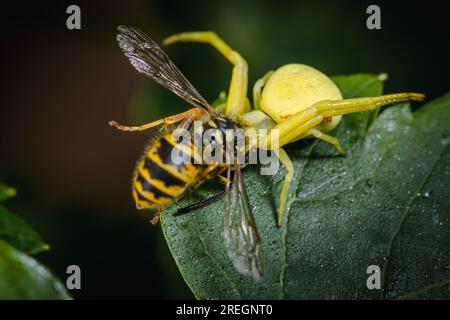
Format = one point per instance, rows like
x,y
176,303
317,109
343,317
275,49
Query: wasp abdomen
x,y
159,178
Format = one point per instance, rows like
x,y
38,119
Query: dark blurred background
x,y
61,87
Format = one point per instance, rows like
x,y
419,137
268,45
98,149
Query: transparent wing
x,y
149,59
240,234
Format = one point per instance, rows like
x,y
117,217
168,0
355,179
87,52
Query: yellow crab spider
x,y
296,100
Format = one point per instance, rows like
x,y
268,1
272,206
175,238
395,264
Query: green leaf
x,y
221,99
6,192
22,277
386,203
19,233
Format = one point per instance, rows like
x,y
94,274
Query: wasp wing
x,y
240,234
149,59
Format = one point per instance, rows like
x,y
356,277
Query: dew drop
x,y
435,218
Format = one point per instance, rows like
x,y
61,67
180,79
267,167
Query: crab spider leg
x,y
294,127
284,158
327,138
193,114
299,123
239,79
257,88
341,107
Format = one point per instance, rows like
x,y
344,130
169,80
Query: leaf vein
x,y
435,285
403,218
285,231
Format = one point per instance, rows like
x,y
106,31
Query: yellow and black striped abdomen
x,y
158,179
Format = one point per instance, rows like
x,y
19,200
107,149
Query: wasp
x,y
293,102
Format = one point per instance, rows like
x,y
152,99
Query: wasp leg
x,y
239,79
340,107
221,179
322,136
257,88
155,218
193,114
284,158
205,202
201,204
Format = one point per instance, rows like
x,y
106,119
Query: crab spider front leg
x,y
298,124
257,88
341,107
237,94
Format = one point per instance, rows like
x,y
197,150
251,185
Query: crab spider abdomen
x,y
295,87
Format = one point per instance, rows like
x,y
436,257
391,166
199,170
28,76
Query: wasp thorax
x,y
296,87
222,141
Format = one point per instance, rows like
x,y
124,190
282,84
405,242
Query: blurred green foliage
x,y
21,276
